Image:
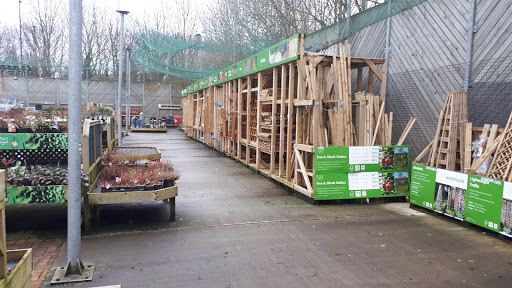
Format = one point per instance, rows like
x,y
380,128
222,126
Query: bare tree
x,y
45,37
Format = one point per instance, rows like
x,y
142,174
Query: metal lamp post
x,y
128,82
120,84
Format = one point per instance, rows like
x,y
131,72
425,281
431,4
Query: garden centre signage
x,y
476,199
361,172
14,141
361,159
283,52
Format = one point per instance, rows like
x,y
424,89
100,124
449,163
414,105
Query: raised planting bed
x,y
19,269
136,153
154,175
154,130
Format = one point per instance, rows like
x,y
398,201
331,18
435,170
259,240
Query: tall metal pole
x,y
388,32
75,269
87,85
469,47
143,95
143,90
128,80
349,13
74,136
58,96
21,40
120,83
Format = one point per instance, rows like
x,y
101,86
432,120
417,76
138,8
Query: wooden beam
x,y
406,131
423,153
374,68
289,122
381,112
303,170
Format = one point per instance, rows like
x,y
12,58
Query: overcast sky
x,y
9,8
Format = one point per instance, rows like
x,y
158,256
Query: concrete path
x,y
235,228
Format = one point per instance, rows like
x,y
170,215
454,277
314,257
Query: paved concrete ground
x,y
236,228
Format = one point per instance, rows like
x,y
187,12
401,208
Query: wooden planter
x,y
21,276
97,198
154,154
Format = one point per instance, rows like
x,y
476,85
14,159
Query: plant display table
x,y
36,167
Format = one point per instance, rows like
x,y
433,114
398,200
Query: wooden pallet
x,y
501,165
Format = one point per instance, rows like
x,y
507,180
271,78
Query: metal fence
x,y
53,92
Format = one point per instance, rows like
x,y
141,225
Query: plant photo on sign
x,y
401,158
41,194
506,212
450,200
50,141
387,156
395,183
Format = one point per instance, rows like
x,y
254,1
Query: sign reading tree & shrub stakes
x,y
361,172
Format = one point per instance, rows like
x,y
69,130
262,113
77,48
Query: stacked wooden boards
x,y
273,120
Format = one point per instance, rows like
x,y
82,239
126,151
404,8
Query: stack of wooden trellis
x,y
452,146
338,119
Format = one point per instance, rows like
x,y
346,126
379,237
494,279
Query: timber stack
x,y
272,110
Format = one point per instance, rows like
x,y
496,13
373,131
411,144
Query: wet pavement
x,y
236,228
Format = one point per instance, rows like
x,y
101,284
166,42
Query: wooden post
x,y
239,119
289,121
282,144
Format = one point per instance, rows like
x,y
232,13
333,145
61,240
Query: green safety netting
x,y
330,35
179,58
199,56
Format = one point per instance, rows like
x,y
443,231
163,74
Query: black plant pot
x,y
168,183
4,130
158,186
149,187
104,189
24,130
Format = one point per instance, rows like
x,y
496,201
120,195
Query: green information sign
x,y
506,210
361,159
15,141
330,186
423,183
36,194
478,200
283,52
484,202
